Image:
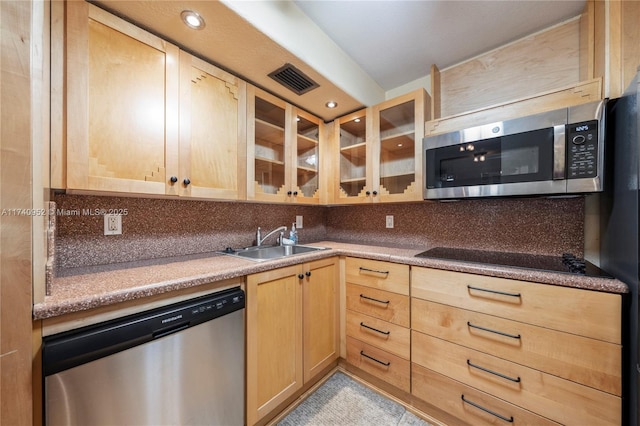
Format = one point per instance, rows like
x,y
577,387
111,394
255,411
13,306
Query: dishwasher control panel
x,y
219,305
197,311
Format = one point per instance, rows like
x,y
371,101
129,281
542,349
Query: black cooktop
x,y
567,263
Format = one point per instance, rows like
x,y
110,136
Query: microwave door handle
x,y
559,151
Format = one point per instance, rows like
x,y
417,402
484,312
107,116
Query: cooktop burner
x,y
567,263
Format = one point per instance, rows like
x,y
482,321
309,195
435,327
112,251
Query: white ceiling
x,y
397,41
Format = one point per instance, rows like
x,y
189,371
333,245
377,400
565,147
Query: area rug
x,y
343,401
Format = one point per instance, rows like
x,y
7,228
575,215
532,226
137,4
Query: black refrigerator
x,y
619,238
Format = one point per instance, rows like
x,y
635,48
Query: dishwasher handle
x,y
170,330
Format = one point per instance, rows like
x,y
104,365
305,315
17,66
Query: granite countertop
x,y
92,287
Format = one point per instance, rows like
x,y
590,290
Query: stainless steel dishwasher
x,y
181,364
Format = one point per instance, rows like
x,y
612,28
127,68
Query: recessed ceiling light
x,y
331,104
192,19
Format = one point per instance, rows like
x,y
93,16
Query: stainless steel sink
x,y
262,253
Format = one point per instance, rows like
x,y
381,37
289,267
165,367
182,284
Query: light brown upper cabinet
x,y
379,151
212,132
350,137
283,151
143,117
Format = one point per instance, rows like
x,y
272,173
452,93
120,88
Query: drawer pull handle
x,y
495,373
502,293
386,364
374,271
513,336
386,302
386,333
486,410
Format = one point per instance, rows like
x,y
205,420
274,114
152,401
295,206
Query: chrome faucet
x,y
260,239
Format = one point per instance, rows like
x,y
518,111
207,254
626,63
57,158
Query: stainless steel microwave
x,y
555,152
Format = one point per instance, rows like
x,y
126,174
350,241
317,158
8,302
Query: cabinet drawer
x,y
587,361
558,308
388,367
381,304
377,274
477,408
550,396
381,334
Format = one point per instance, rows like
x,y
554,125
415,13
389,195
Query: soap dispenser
x,y
293,234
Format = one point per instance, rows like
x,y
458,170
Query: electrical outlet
x,y
389,221
112,224
299,222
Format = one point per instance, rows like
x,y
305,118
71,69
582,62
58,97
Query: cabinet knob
x,y
173,179
368,192
295,193
186,181
300,276
289,193
375,193
308,273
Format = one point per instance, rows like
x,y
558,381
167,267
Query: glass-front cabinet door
x,y
306,176
283,151
399,125
351,136
269,145
380,151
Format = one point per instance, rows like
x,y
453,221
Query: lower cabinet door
x,y
321,315
274,339
468,404
388,367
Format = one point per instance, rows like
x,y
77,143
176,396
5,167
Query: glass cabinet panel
x,y
397,147
353,155
307,159
269,146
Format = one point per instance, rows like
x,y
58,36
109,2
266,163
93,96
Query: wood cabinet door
x,y
306,185
269,131
212,132
283,151
397,139
320,315
274,339
378,151
122,104
352,151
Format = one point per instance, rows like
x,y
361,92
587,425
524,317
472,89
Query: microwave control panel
x,y
582,150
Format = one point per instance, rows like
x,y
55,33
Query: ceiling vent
x,y
293,79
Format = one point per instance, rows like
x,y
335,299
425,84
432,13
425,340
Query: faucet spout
x,y
260,239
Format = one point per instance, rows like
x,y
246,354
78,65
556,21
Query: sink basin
x,y
263,253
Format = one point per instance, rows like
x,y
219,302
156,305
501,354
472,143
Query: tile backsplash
x,y
156,228
528,225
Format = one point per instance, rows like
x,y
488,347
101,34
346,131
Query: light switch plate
x,y
299,222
